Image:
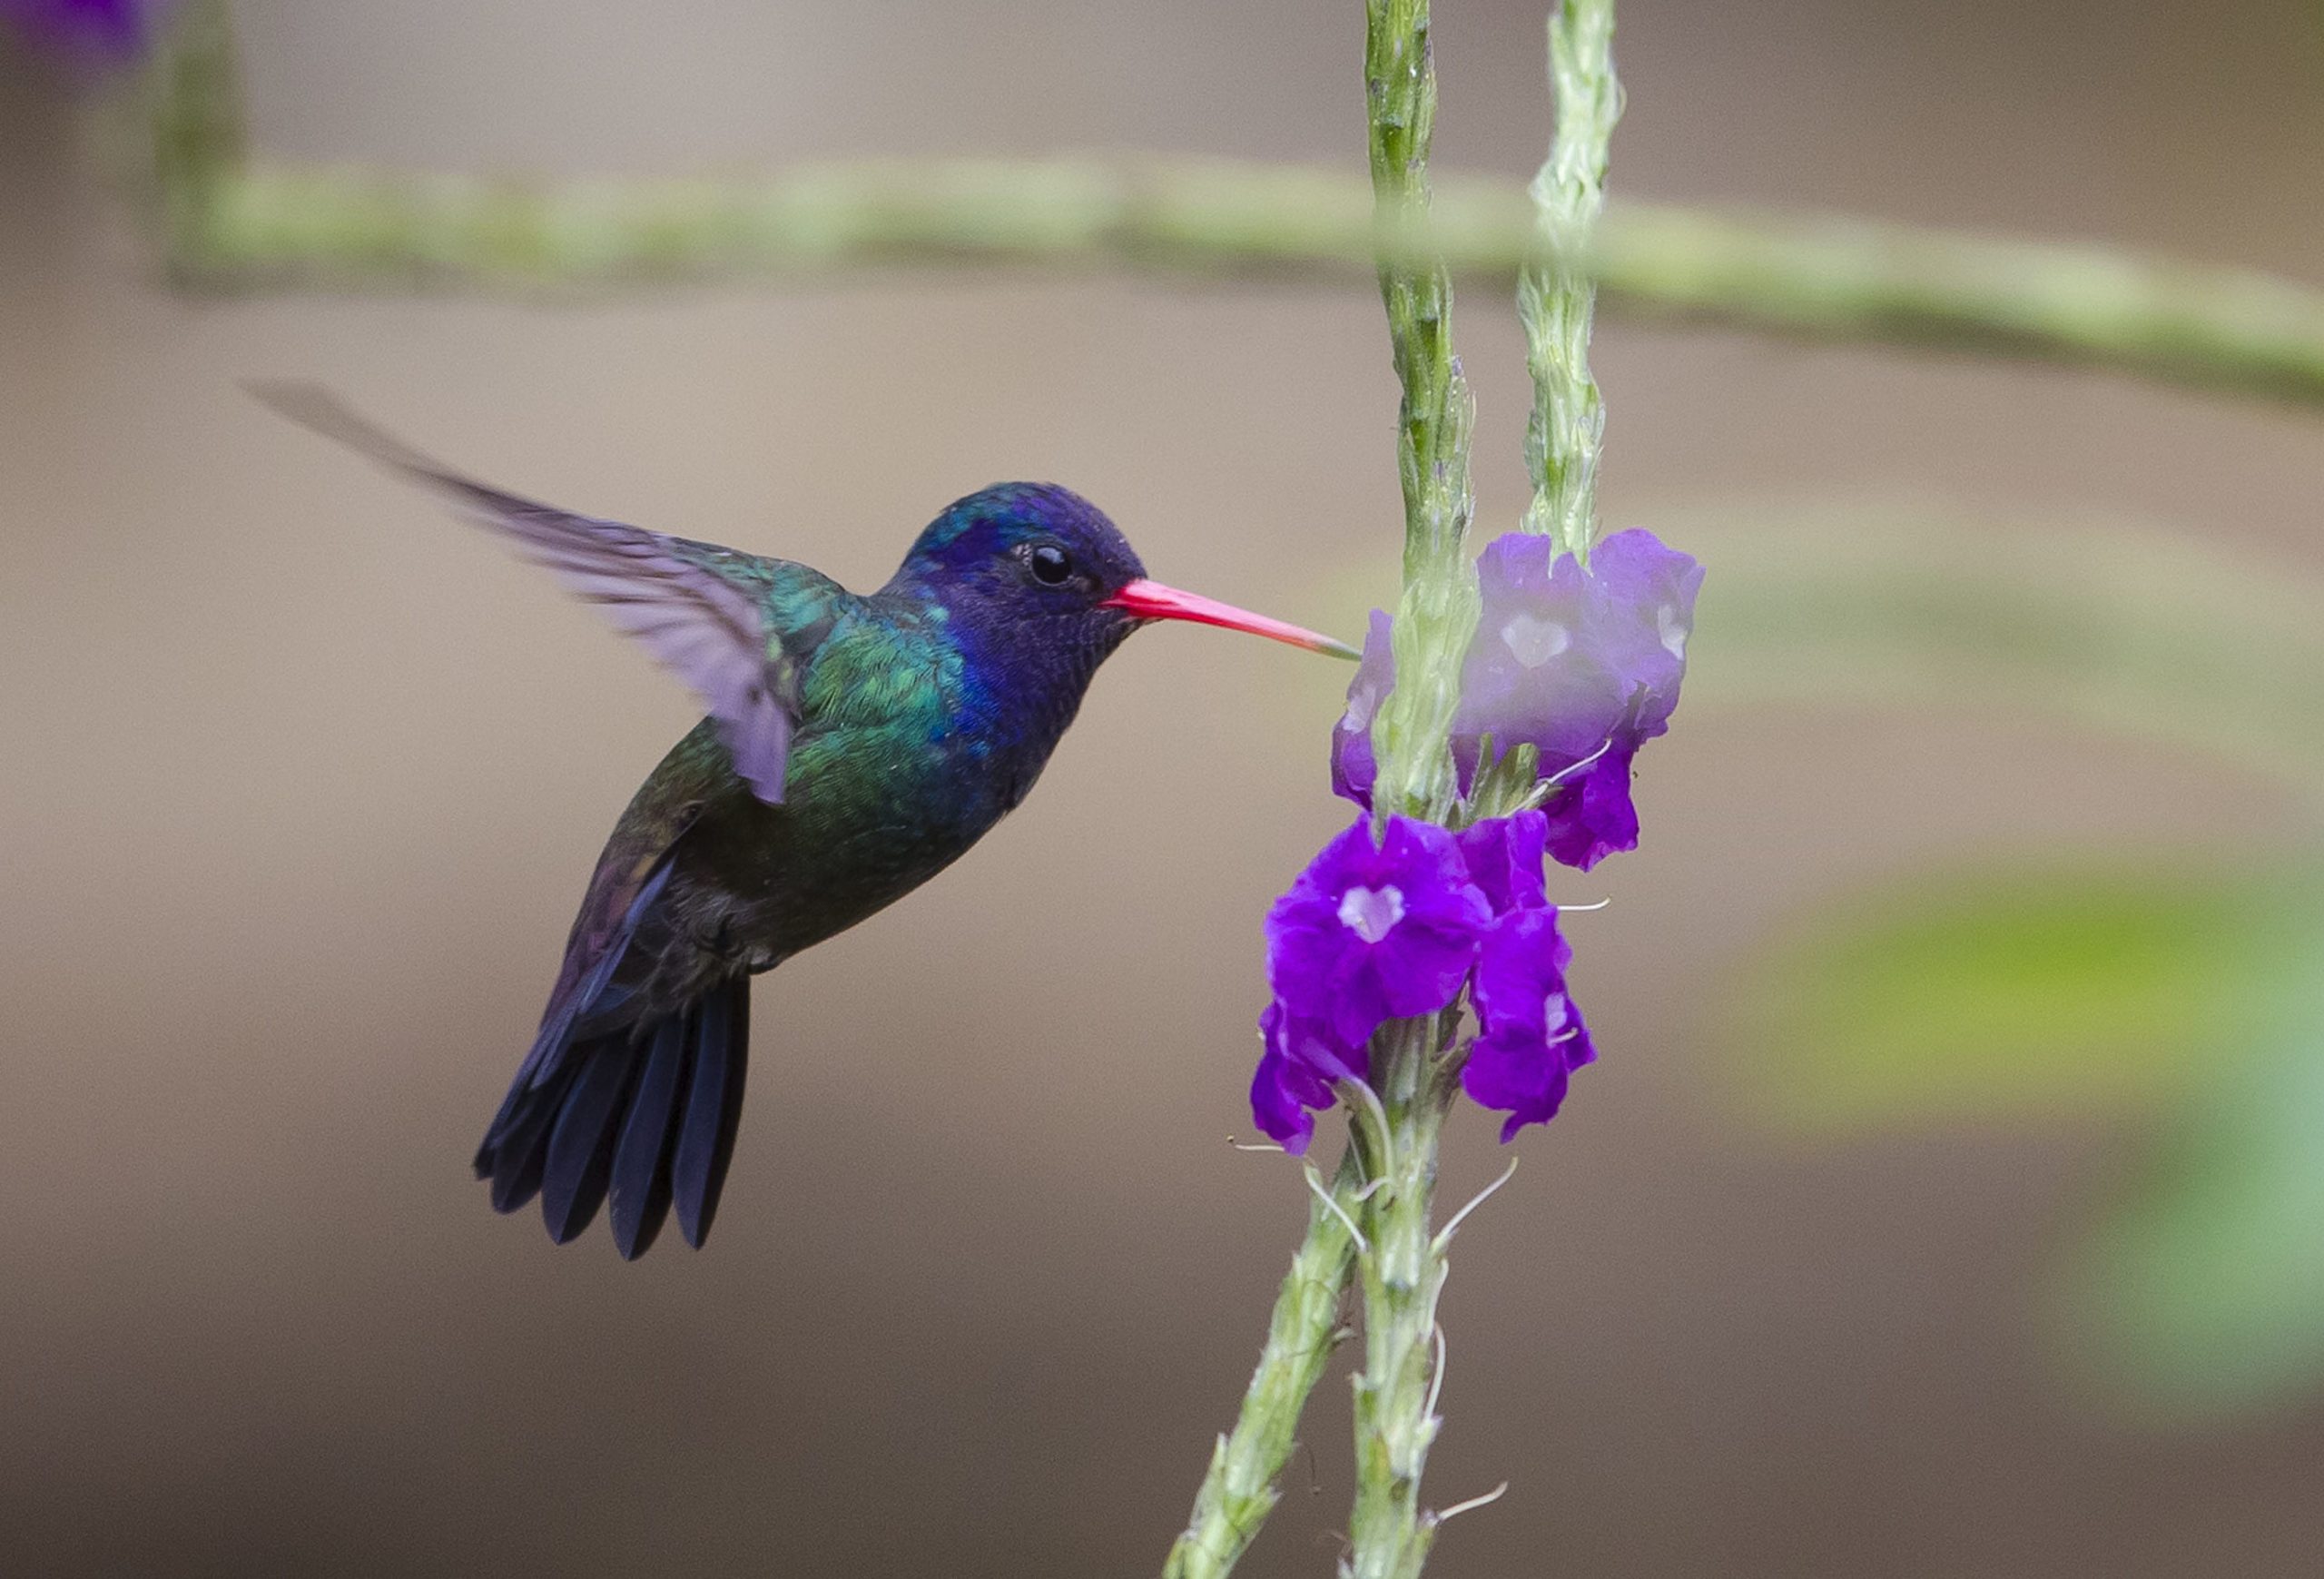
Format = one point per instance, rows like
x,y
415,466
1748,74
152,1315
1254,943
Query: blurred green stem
x,y
200,148
234,225
1239,1491
1568,424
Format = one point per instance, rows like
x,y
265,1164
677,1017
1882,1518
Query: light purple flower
x,y
1530,1037
102,31
1584,667
1372,932
1353,768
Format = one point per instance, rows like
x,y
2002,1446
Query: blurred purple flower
x,y
1530,1037
110,32
1584,667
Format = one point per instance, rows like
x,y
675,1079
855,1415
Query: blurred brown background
x,y
301,781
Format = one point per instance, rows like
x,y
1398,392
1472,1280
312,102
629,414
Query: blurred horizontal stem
x,y
231,224
274,227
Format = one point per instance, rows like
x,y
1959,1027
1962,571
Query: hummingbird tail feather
x,y
515,1152
579,1161
641,1172
645,1115
703,1137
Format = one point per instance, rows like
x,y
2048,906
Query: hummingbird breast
x,y
909,750
871,811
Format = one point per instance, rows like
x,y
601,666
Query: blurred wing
x,y
670,594
700,625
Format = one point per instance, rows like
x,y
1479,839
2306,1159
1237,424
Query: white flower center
x,y
1673,629
1534,641
1553,1014
1372,913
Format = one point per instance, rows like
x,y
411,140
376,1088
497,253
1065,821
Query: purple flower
x,y
1353,768
1504,855
1530,1037
1584,667
1297,1064
1372,932
1592,816
115,31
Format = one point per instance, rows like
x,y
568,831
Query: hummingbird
x,y
855,745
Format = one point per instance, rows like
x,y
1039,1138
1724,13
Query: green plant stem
x,y
1399,1268
233,226
1239,1490
1401,1271
1438,610
1434,620
1568,424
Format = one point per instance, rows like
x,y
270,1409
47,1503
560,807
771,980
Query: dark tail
x,y
647,1113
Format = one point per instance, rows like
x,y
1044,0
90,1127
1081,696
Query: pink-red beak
x,y
1152,600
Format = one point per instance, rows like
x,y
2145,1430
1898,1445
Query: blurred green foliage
x,y
2120,986
2204,1284
2001,992
1992,993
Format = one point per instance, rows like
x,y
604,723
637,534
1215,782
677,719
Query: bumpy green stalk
x,y
1401,1271
1433,623
239,227
1567,428
1239,1491
278,227
1438,612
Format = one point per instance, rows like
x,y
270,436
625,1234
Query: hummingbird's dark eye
x,y
1050,565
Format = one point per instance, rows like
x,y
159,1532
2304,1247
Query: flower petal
x,y
1281,1096
1583,667
94,31
1372,932
1533,1037
1517,1074
1310,1044
1592,816
1519,967
1504,860
1353,768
